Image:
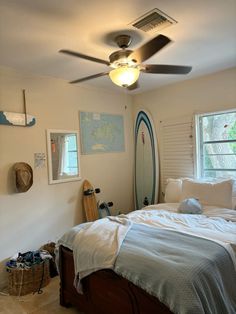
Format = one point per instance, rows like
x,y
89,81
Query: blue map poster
x,y
101,133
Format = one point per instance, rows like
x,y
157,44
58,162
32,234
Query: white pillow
x,y
209,193
173,190
190,206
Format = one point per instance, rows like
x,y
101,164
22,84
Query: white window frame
x,y
198,151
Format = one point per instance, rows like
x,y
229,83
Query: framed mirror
x,y
63,156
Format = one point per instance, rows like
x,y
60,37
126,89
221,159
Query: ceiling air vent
x,y
153,21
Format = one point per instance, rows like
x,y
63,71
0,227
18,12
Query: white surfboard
x,y
146,161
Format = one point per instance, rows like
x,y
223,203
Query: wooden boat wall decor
x,y
17,119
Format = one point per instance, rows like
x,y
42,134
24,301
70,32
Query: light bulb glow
x,y
124,76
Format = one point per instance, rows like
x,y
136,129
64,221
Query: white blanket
x,y
209,211
97,245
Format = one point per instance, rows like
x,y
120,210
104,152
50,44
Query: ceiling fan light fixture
x,y
127,64
124,76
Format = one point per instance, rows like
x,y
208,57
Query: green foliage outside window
x,y
218,144
232,136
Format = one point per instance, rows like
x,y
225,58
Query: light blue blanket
x,y
190,275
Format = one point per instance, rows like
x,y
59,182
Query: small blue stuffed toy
x,y
190,206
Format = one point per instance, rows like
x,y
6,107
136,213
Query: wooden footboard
x,y
104,292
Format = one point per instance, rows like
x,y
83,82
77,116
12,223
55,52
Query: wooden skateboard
x,y
89,201
93,209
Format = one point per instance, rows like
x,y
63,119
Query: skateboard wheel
x,y
145,201
110,204
103,205
88,192
97,190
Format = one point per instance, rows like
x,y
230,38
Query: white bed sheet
x,y
209,211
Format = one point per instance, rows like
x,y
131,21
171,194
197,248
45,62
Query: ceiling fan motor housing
x,y
120,57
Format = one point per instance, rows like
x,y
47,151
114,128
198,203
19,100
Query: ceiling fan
x,y
127,64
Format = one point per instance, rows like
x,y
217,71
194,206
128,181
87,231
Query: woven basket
x,y
24,281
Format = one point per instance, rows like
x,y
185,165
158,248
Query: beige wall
x,y
204,94
45,212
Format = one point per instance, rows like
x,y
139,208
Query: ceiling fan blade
x,y
150,48
89,77
81,55
166,69
133,86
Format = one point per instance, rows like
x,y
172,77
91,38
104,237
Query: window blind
x,y
177,157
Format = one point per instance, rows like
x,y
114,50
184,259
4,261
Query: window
x,y
71,164
216,144
67,155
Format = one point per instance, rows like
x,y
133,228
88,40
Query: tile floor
x,y
45,303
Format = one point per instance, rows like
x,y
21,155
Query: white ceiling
x,y
32,32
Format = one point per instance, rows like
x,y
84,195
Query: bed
x,y
105,292
178,279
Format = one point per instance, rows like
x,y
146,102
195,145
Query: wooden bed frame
x,y
104,292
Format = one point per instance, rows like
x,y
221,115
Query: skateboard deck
x,y
89,201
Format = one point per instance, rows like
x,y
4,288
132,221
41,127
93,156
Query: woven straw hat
x,y
23,175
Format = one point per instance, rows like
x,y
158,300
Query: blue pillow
x,y
190,206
